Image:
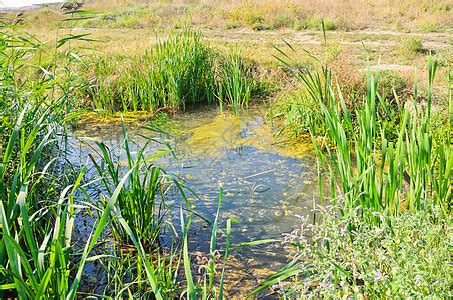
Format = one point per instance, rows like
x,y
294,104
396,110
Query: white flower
x,y
378,276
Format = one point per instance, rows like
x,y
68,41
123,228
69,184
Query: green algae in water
x,y
225,131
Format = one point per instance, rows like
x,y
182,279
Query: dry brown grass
x,y
400,15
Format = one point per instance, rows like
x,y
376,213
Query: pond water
x,y
267,182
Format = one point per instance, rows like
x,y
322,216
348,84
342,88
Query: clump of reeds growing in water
x,y
180,70
235,82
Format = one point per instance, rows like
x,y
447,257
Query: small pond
x,y
267,183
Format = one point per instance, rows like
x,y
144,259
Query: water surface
x,y
267,182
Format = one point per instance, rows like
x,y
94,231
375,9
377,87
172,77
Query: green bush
x,y
333,50
348,257
310,22
410,46
329,24
314,22
282,21
298,111
427,25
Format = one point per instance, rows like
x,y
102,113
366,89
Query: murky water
x,y
267,183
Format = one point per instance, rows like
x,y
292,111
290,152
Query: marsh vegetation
x,y
181,167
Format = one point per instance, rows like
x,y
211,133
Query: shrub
x,y
310,22
314,22
282,20
348,257
390,81
333,50
410,46
298,111
427,25
329,24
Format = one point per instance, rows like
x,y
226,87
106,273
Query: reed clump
x,y
37,207
181,70
235,84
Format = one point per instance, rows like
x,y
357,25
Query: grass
x,y
373,181
298,113
427,25
410,46
260,15
313,22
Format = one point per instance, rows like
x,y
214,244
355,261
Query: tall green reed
x,y
179,71
370,170
176,72
235,83
37,207
142,201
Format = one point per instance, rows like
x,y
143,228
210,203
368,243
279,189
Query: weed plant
x,y
401,257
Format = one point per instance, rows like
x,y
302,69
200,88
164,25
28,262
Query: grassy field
x,y
367,83
402,15
372,36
